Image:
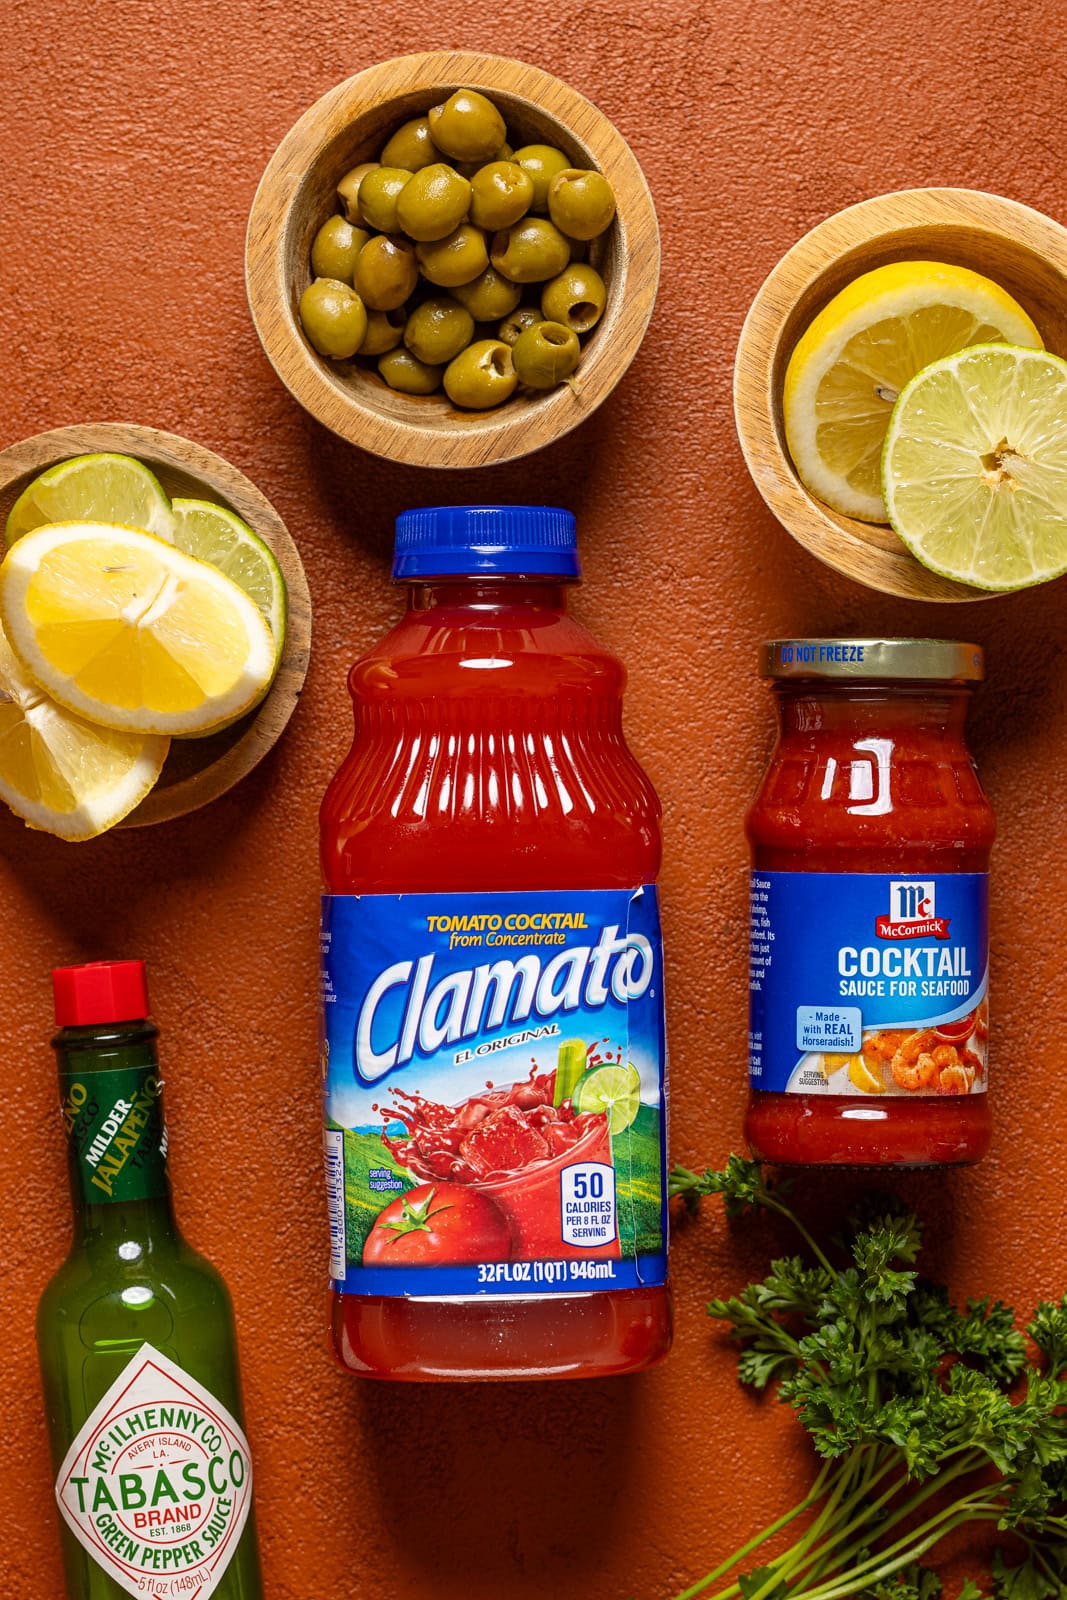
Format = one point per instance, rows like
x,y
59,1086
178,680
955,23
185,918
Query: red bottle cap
x,y
100,991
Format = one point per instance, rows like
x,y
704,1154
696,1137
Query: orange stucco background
x,y
133,135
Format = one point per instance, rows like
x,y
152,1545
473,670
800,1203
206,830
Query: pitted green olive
x,y
411,146
482,376
576,298
454,260
334,318
488,296
434,203
545,354
530,251
335,248
467,126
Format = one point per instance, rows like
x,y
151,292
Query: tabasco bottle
x,y
135,1333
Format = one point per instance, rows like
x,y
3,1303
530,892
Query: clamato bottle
x,y
135,1332
493,1045
869,958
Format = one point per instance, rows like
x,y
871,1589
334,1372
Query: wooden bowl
x,y
196,770
297,193
1019,248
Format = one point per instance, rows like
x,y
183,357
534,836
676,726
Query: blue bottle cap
x,y
442,541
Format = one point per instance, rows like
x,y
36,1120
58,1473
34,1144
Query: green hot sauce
x,y
135,1333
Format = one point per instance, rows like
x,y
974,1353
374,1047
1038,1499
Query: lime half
x,y
613,1088
99,488
974,470
215,535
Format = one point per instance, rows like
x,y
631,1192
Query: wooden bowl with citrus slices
x,y
1021,251
119,648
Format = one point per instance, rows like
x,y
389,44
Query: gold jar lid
x,y
926,660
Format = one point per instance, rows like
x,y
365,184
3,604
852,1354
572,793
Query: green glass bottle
x,y
135,1333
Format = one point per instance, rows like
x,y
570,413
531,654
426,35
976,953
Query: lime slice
x,y
975,467
213,534
613,1088
125,630
100,488
850,365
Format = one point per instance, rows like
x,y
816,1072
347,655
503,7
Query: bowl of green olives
x,y
452,259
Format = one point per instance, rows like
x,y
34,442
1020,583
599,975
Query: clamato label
x,y
494,1092
157,1485
868,984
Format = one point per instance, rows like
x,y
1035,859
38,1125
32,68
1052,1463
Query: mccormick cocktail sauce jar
x,y
870,838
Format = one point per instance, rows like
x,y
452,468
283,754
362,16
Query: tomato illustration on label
x,y
437,1225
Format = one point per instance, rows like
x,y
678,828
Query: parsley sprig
x,y
925,1417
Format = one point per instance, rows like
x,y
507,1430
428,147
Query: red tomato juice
x,y
488,756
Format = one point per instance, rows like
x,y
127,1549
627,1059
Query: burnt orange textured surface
x,y
133,137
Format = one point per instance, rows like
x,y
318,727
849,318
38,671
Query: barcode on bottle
x,y
334,1150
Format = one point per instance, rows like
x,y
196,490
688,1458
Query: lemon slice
x,y
98,488
861,1076
130,632
613,1088
60,773
849,367
215,535
975,467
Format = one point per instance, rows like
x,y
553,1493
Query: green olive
x,y
385,329
521,318
488,297
438,329
333,317
530,251
481,376
411,146
348,190
542,162
470,169
386,272
335,248
581,204
378,195
405,372
434,203
468,127
456,259
545,354
500,194
576,298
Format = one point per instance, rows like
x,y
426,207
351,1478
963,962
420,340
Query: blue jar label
x,y
494,1092
868,984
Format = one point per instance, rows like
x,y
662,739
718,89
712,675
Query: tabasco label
x,y
158,1483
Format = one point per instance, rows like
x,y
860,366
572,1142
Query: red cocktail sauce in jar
x,y
870,838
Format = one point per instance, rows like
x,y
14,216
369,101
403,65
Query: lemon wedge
x,y
60,773
975,467
861,1076
849,367
128,631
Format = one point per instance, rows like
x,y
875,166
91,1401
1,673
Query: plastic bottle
x,y
493,1044
135,1332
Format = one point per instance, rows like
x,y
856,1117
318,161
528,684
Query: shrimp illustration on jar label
x,y
494,1092
865,984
